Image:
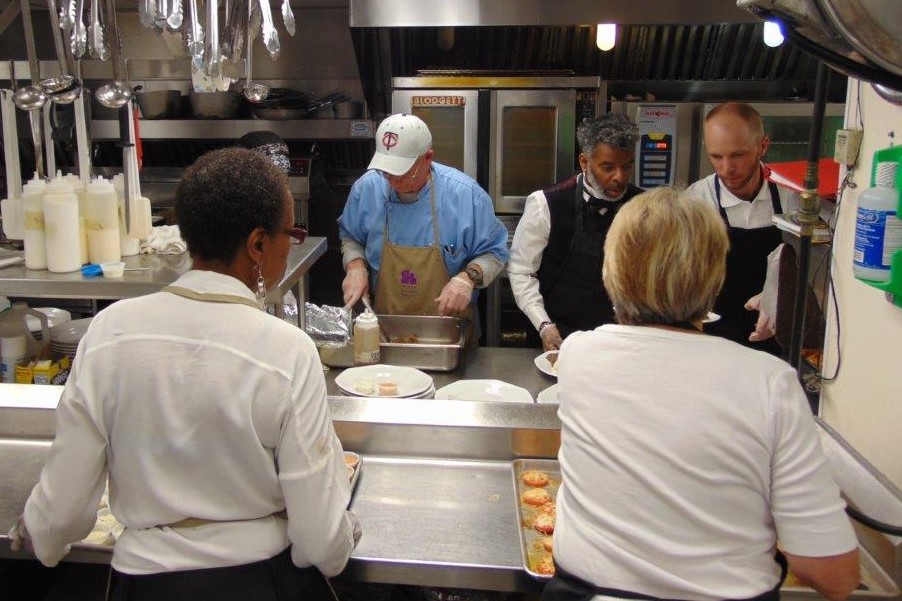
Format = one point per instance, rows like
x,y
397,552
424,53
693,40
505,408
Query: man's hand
x,y
455,296
766,326
356,282
551,338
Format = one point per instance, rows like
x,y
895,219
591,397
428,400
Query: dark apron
x,y
274,579
564,586
576,300
746,272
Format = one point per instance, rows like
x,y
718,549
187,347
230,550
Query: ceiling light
x,y
606,36
773,36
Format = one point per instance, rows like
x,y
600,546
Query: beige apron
x,y
412,277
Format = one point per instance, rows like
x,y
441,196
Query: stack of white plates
x,y
412,383
64,338
549,395
484,390
54,318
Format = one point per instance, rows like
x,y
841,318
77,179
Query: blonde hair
x,y
664,258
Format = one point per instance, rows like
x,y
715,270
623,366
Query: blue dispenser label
x,y
878,234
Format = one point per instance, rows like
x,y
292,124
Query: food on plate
x,y
547,543
536,497
544,523
545,565
409,339
364,386
351,459
388,388
534,478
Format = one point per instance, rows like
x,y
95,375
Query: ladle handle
x,y
36,120
57,37
115,40
29,42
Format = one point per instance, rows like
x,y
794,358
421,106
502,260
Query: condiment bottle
x,y
878,230
80,191
128,245
61,225
102,221
18,346
366,339
35,235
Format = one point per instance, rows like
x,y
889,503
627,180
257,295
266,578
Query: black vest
x,y
570,272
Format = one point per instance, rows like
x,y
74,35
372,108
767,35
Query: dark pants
x,y
275,579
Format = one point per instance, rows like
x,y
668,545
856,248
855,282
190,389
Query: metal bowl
x,y
215,105
159,104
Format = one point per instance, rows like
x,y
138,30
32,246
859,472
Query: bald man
x,y
740,191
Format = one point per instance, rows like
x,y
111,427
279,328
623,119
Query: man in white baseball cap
x,y
422,234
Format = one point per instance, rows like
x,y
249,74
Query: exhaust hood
x,y
859,38
463,13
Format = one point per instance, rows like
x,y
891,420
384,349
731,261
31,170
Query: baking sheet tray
x,y
531,547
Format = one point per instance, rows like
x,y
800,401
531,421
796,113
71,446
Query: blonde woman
x,y
686,457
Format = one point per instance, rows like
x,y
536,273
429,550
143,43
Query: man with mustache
x,y
556,253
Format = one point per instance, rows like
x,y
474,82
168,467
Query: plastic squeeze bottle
x,y
102,221
61,223
366,339
35,234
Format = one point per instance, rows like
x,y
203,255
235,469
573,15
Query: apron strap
x,y
210,297
436,238
774,199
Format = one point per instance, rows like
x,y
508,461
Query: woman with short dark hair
x,y
685,458
208,415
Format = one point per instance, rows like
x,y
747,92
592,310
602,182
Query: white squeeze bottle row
x,y
61,224
102,222
35,235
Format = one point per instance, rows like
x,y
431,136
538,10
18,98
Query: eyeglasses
x,y
297,234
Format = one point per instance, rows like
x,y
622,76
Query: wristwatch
x,y
474,274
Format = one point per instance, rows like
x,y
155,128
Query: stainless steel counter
x,y
161,270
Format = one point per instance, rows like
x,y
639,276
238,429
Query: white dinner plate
x,y
544,365
711,316
411,382
484,390
549,395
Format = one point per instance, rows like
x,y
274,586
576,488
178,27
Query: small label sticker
x,y
361,129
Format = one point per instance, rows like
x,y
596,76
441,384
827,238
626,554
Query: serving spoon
x,y
32,98
116,93
65,88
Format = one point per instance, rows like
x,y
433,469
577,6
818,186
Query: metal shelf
x,y
231,129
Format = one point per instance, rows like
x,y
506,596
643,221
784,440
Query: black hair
x,y
612,129
223,197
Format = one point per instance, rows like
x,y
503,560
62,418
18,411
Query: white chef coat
x,y
744,214
684,458
197,409
527,247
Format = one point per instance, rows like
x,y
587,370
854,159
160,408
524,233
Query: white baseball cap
x,y
400,141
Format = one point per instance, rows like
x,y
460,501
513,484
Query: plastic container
x,y
102,222
366,339
878,230
61,223
18,346
35,231
113,269
80,192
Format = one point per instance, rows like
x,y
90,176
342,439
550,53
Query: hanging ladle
x,y
116,93
32,98
65,88
255,92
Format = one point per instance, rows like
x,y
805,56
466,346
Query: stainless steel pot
x,y
215,105
160,104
